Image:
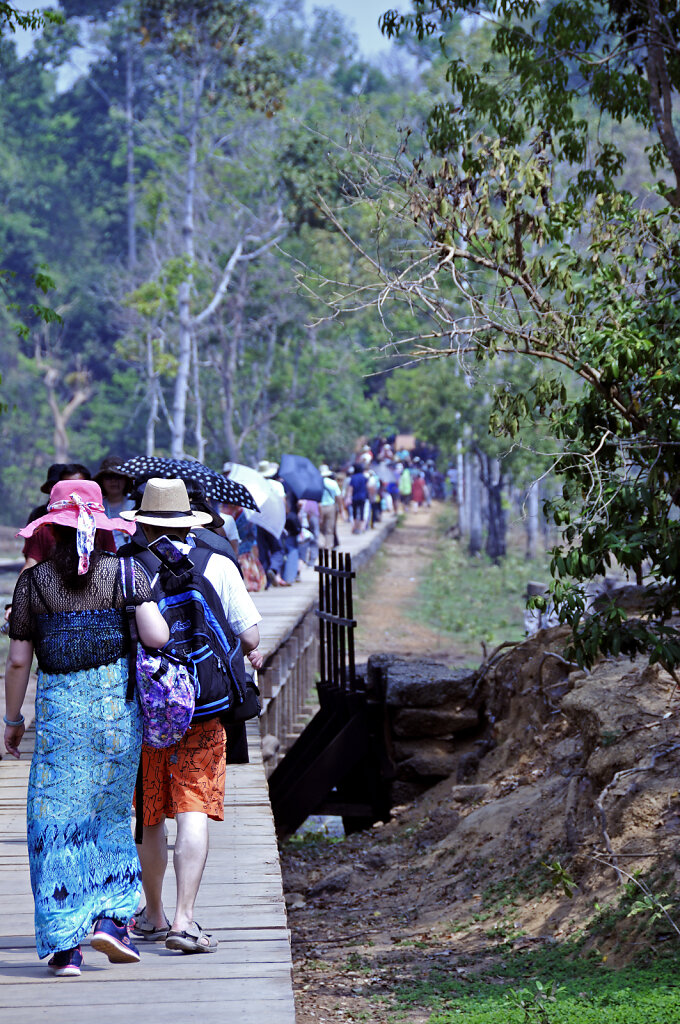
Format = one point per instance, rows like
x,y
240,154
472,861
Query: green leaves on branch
x,y
44,283
535,250
13,18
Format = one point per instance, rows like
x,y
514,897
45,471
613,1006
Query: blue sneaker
x,y
113,939
66,963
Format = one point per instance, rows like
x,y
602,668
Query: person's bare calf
x,y
191,852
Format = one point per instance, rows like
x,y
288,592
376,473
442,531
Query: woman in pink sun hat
x,y
69,610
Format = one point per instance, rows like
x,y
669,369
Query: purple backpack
x,y
166,687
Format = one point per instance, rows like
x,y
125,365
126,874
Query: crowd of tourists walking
x,y
106,560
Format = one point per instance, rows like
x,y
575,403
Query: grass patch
x,y
585,991
474,599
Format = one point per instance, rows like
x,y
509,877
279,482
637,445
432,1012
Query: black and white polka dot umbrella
x,y
214,486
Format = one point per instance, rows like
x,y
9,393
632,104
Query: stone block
x,y
425,759
424,684
336,880
470,794
434,721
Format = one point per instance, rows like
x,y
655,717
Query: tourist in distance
x,y
186,781
405,485
358,497
116,487
330,507
69,609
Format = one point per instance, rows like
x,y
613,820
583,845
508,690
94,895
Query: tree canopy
x,y
168,189
536,231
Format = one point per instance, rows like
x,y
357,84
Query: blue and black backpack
x,y
200,634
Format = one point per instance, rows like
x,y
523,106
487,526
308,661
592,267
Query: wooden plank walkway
x,y
248,978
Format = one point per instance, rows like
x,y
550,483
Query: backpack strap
x,y
127,578
200,556
149,563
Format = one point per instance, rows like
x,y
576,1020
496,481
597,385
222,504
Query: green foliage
x,y
475,599
535,1003
540,248
560,878
13,18
292,381
560,985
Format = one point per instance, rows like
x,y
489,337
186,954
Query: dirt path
x,y
331,978
387,608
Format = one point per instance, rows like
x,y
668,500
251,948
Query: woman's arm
x,y
16,680
151,626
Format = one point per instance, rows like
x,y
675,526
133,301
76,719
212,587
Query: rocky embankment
x,y
501,773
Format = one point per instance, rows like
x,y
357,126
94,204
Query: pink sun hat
x,y
78,504
65,512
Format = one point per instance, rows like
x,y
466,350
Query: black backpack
x,y
200,634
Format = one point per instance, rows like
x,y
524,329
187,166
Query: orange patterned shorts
x,y
188,776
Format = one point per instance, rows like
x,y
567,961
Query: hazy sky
x,y
362,16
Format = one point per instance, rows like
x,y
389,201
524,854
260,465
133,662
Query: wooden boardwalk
x,y
248,979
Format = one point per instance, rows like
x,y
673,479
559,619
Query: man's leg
x,y
153,856
191,852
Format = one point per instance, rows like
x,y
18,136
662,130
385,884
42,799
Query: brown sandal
x,y
193,940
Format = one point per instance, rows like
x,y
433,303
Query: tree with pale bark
x,y
521,236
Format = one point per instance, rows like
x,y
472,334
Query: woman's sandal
x,y
193,940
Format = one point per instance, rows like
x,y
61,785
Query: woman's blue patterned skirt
x,y
81,850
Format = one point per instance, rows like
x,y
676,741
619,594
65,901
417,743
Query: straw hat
x,y
267,468
67,497
166,503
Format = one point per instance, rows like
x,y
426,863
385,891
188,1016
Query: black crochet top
x,y
75,628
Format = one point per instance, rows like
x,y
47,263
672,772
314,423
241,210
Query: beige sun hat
x,y
166,503
325,470
267,468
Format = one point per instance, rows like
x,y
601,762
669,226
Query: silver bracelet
x,y
19,722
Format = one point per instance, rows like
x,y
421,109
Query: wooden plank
x,y
240,902
95,989
249,1010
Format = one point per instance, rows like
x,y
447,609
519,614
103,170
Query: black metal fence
x,y
336,622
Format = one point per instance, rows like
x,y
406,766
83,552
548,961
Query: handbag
x,y
165,685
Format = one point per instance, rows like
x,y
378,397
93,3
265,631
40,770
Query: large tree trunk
x,y
152,388
463,525
198,402
532,521
473,505
82,393
186,326
130,144
492,479
232,339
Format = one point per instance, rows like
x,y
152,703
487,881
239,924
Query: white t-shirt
x,y
230,527
237,603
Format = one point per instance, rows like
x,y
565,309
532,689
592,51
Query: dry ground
x,y
457,880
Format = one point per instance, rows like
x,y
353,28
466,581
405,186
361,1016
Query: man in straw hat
x,y
186,781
